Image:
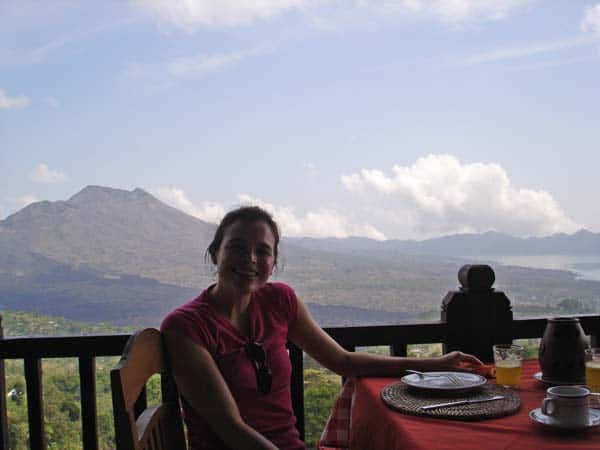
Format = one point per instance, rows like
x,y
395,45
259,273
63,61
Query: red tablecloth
x,y
373,426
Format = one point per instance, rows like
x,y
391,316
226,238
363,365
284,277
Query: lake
x,y
585,267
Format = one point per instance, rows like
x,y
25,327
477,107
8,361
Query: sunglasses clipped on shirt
x,y
258,356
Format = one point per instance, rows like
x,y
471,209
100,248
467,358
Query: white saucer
x,y
538,376
539,417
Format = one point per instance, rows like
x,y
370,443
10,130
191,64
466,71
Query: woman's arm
x,y
201,384
306,334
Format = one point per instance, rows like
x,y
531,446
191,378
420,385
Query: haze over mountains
x,y
127,258
491,243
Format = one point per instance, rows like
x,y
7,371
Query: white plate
x,y
538,376
467,381
539,417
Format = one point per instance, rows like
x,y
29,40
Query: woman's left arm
x,y
309,336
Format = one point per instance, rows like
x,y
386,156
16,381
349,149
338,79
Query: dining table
x,y
360,420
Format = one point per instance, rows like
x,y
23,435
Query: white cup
x,y
568,405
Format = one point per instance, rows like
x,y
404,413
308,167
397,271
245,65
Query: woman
x,y
227,347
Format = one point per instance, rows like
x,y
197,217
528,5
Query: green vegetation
x,y
321,389
17,323
62,402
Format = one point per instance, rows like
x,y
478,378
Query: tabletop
x,y
370,425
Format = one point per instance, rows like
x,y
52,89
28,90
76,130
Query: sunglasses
x,y
257,355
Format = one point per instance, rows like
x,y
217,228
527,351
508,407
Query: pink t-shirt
x,y
272,310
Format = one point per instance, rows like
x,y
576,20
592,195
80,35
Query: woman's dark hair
x,y
246,214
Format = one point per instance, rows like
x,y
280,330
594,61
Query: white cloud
x,y
42,174
189,14
319,223
311,171
40,54
550,64
7,102
591,20
450,11
207,211
149,77
510,53
324,14
27,199
440,195
52,102
11,205
203,63
161,74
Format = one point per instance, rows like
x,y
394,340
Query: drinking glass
x,y
592,369
508,359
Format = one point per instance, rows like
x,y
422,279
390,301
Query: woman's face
x,y
246,256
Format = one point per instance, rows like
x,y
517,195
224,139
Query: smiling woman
x,y
232,367
376,133
246,242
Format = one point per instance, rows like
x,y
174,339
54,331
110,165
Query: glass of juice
x,y
508,359
592,369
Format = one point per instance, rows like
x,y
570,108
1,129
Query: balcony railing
x,y
473,318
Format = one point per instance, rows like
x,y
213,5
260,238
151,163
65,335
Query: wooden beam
x,y
62,346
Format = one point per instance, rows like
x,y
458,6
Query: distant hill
x,y
127,258
464,245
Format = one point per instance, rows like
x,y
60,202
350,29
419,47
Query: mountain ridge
x,y
126,257
468,244
463,244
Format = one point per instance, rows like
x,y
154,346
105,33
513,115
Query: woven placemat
x,y
406,400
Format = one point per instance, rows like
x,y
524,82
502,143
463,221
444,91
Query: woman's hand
x,y
453,360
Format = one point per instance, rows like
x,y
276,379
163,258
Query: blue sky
x,y
387,119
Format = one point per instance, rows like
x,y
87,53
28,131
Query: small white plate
x,y
466,381
539,417
538,376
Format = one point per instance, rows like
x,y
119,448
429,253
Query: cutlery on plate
x,y
422,375
462,402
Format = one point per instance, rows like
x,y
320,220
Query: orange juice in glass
x,y
592,369
508,359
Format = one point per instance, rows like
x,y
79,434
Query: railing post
x,y
3,406
477,315
297,386
398,349
89,413
35,403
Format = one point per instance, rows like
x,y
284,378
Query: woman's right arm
x,y
203,387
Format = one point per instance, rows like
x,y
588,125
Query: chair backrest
x,y
138,427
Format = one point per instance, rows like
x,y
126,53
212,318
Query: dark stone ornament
x,y
477,315
562,350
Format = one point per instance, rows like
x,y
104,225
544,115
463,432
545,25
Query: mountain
x,y
486,244
126,258
114,231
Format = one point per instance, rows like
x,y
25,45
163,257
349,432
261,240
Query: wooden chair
x,y
138,427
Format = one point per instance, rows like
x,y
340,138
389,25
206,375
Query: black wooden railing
x,y
31,350
473,318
